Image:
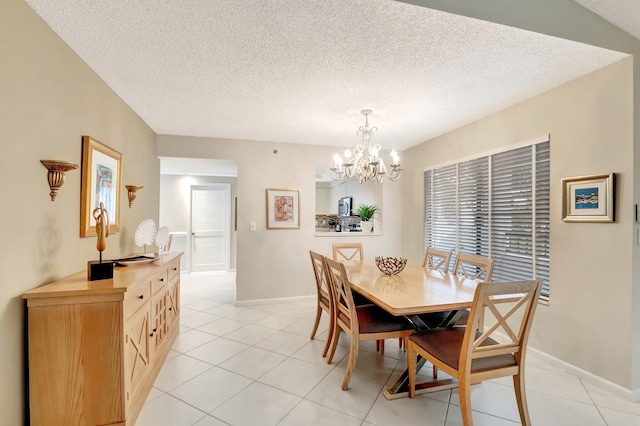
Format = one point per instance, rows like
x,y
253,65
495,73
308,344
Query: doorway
x,y
210,227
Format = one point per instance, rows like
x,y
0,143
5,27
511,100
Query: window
x,y
494,206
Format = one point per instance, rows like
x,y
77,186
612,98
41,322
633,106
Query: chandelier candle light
x,y
364,162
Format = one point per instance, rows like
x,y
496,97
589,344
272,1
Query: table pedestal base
x,y
428,387
401,388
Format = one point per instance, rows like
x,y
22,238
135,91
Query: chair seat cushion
x,y
445,343
373,319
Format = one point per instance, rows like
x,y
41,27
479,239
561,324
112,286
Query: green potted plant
x,y
366,213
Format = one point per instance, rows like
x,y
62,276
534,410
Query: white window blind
x,y
495,206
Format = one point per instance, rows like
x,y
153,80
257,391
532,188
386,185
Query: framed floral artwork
x,y
283,208
101,178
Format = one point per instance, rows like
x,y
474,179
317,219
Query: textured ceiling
x,y
300,71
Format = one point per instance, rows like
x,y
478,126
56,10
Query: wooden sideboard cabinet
x,y
96,347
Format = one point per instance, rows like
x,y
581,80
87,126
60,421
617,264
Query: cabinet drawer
x,y
159,281
137,295
174,270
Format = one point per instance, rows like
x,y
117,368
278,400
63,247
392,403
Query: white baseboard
x,y
277,300
632,395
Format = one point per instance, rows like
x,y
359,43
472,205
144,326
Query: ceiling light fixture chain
x,y
364,163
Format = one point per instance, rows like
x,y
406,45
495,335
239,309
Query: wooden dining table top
x,y
415,290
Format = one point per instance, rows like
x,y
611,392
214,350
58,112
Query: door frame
x,y
227,225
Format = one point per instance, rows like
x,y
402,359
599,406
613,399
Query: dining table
x,y
414,291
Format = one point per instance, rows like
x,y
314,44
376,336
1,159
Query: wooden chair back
x,y
507,310
345,308
473,355
322,284
473,267
436,259
348,251
367,322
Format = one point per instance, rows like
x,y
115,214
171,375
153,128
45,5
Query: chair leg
x,y
351,363
435,372
382,347
521,398
315,326
329,335
334,344
411,367
464,393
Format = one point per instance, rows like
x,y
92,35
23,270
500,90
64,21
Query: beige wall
x,y
567,19
275,263
588,322
49,98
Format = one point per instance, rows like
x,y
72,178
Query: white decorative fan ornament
x,y
162,237
145,233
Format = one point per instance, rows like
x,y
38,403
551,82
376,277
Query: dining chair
x,y
368,322
469,266
436,259
470,355
473,267
351,251
355,251
347,251
324,298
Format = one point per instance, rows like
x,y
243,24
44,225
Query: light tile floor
x,y
257,366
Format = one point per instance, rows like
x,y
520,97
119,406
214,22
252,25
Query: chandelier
x,y
364,163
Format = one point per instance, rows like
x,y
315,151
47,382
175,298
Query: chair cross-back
x,y
469,266
324,297
368,322
348,251
436,259
471,355
473,267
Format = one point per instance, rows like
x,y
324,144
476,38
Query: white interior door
x,y
210,211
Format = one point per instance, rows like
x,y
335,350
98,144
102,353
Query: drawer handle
x,y
161,279
154,330
151,335
175,269
141,297
169,308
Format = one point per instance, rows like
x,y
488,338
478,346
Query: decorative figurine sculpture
x,y
101,270
102,227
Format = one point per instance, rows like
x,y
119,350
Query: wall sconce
x,y
56,173
133,192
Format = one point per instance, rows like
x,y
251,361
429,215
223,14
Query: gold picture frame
x,y
588,198
101,181
283,208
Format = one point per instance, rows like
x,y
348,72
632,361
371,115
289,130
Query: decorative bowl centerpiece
x,y
390,265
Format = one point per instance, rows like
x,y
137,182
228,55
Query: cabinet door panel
x,y
137,354
159,321
173,304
